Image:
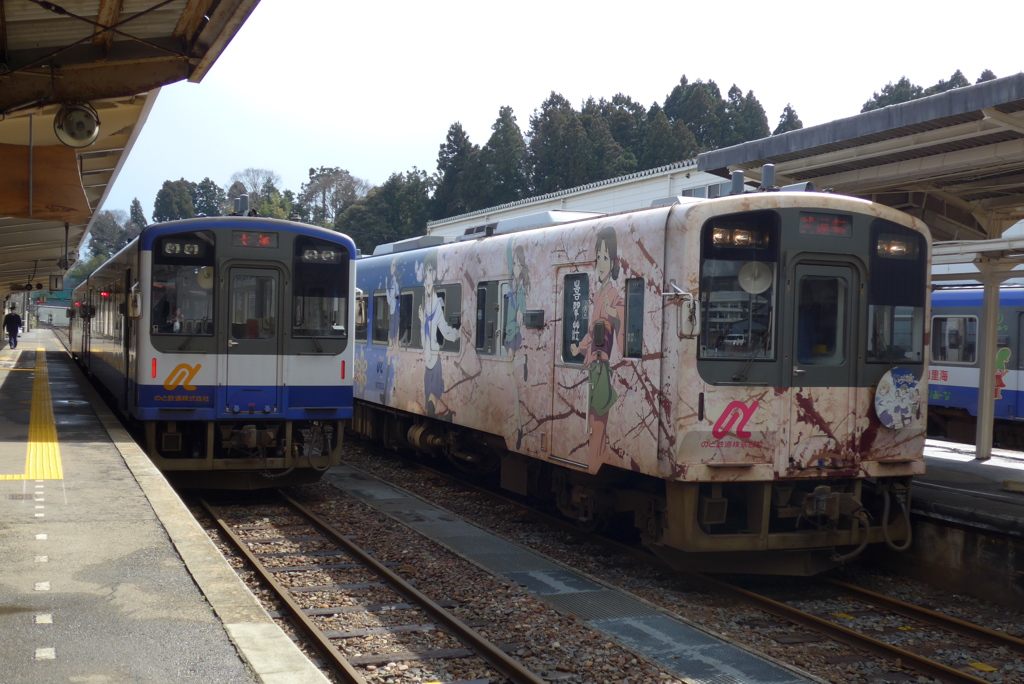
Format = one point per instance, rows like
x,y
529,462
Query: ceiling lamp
x,y
77,125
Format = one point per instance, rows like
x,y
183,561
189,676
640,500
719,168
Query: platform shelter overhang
x,y
954,160
112,56
989,262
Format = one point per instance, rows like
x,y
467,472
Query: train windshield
x,y
737,290
896,296
182,286
319,304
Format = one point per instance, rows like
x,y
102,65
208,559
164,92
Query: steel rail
x,y
826,627
848,636
931,617
494,656
323,645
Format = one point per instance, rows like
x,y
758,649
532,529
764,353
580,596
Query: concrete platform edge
x,y
261,643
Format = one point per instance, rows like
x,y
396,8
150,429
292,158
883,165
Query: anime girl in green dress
x,y
606,317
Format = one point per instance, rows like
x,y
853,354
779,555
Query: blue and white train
x,y
225,341
955,370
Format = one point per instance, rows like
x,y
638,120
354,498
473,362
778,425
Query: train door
x,y
253,360
570,394
823,357
127,341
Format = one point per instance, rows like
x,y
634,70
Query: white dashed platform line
x,y
46,654
42,559
40,515
42,586
44,619
41,537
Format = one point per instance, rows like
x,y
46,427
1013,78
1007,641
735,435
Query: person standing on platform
x,y
12,323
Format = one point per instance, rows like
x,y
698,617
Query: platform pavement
x,y
958,486
104,574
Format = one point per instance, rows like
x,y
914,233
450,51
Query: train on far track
x,y
225,342
955,368
739,380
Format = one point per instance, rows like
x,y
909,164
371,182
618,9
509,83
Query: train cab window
x,y
382,319
487,309
634,318
362,303
320,290
182,288
896,294
576,316
738,287
451,310
182,299
954,339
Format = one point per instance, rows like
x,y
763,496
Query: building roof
x,y
113,55
955,159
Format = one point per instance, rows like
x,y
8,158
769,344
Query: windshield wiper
x,y
309,332
761,342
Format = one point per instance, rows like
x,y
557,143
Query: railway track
x,y
885,627
293,550
908,637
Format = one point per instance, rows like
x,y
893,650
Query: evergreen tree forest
x,y
559,146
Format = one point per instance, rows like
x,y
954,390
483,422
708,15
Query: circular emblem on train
x,y
898,399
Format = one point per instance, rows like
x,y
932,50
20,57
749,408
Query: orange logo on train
x,y
182,375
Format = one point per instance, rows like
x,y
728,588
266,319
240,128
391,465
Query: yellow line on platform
x,y
43,459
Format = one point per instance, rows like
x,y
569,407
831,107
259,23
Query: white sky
x,y
373,87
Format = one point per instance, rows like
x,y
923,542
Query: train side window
x,y
487,329
381,318
634,318
954,339
361,322
409,327
451,296
575,315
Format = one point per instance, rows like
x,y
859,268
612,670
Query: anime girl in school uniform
x,y
432,320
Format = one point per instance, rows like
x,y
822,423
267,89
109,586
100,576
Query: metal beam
x,y
95,82
1008,154
1003,120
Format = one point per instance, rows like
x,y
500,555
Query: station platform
x,y
956,486
104,574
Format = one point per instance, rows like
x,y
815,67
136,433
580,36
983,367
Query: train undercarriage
x,y
786,527
244,454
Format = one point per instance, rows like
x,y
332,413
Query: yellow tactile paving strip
x,y
42,462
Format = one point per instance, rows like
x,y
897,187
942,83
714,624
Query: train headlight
x,y
321,256
172,248
739,237
191,248
896,247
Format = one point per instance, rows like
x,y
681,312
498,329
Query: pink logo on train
x,y
736,414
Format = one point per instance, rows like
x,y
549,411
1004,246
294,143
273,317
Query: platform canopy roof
x,y
955,160
112,56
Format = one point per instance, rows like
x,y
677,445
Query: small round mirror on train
x,y
755,277
204,278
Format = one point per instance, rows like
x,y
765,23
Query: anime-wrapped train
x,y
741,379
